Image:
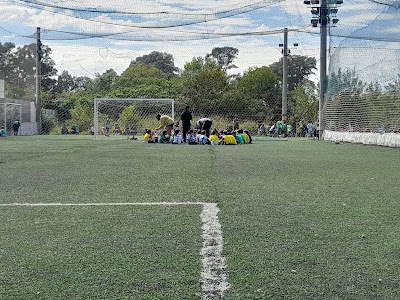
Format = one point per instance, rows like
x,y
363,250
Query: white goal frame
x,y
5,111
99,100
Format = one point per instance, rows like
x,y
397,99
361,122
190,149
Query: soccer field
x,y
119,219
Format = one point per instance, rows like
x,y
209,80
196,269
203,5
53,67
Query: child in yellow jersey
x,y
245,136
229,139
147,138
214,140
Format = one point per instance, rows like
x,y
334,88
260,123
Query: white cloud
x,y
87,57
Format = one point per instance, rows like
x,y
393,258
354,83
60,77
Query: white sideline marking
x,y
104,204
213,277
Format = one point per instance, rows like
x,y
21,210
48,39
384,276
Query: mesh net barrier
x,y
128,117
140,49
363,89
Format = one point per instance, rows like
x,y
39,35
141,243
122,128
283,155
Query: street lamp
x,y
321,15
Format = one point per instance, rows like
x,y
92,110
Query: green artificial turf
x,y
301,219
100,252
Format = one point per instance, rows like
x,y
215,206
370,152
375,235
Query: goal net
x,y
9,113
128,116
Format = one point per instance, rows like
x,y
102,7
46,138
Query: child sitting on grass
x,y
177,138
248,134
238,137
202,138
147,136
229,139
214,139
163,138
3,132
245,136
190,139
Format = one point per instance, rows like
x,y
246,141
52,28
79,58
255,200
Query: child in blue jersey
x,y
202,137
177,138
190,137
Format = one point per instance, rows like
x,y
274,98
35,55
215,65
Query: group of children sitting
x,y
199,137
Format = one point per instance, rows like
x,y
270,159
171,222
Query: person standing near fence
x,y
235,123
107,127
186,117
16,126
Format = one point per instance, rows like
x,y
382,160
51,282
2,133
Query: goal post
x,y
128,116
10,112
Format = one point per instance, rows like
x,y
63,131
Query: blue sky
x,y
128,40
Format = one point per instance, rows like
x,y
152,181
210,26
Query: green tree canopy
x,y
261,85
299,68
224,56
161,60
18,65
202,83
143,81
303,102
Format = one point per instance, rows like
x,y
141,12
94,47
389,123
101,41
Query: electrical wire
x,y
230,13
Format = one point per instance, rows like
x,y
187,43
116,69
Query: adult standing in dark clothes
x,y
204,124
186,117
16,126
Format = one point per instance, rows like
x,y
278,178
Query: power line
x,y
205,17
104,11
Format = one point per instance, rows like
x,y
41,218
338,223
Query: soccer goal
x,y
10,112
128,116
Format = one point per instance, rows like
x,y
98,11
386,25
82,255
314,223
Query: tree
x,y
224,57
202,83
299,68
140,80
161,60
344,81
6,64
303,102
128,119
18,66
81,115
261,85
103,83
65,82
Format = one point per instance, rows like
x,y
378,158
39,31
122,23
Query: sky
x,y
115,32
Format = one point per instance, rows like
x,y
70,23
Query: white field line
x,y
213,276
105,204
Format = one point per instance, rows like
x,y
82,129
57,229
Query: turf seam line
x,y
213,276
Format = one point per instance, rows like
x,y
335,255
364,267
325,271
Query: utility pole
x,y
324,20
285,53
285,73
322,10
39,54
